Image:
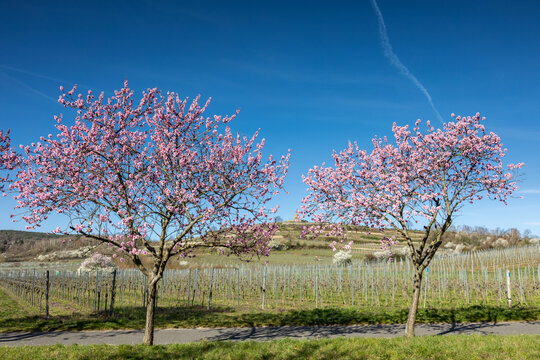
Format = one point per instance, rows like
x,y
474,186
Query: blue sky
x,y
311,75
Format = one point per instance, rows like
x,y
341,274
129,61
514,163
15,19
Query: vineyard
x,y
491,277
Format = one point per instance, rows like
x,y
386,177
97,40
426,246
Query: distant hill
x,y
27,245
17,235
18,245
366,240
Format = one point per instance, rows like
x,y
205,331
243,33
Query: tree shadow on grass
x,y
478,313
346,316
124,317
188,317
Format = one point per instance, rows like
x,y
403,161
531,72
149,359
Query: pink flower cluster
x,y
9,160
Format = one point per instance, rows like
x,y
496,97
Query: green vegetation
x,y
438,347
14,318
11,309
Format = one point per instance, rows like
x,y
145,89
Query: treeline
x,y
480,237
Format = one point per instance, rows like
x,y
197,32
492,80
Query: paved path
x,y
170,336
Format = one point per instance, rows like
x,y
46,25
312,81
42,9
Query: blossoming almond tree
x,y
424,176
153,177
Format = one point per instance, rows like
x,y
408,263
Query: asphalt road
x,y
172,336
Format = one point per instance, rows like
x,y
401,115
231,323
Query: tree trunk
x,y
417,290
150,311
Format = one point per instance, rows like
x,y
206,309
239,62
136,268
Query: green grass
x,y
439,347
18,317
11,309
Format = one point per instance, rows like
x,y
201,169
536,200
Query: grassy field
x,y
15,316
464,347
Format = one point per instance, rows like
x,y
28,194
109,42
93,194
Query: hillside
x,y
25,245
364,239
14,238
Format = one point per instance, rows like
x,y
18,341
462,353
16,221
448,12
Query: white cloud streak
x,y
529,191
11,68
35,91
26,72
394,60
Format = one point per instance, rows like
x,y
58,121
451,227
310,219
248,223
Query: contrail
x,y
32,74
394,60
58,81
36,91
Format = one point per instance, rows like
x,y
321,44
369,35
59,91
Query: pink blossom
x,y
9,160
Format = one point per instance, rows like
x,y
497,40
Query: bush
x,y
97,262
395,253
276,244
342,258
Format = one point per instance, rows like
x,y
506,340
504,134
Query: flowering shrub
x,y
393,253
342,258
276,244
97,262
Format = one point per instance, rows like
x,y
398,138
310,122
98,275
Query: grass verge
x,y
438,347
